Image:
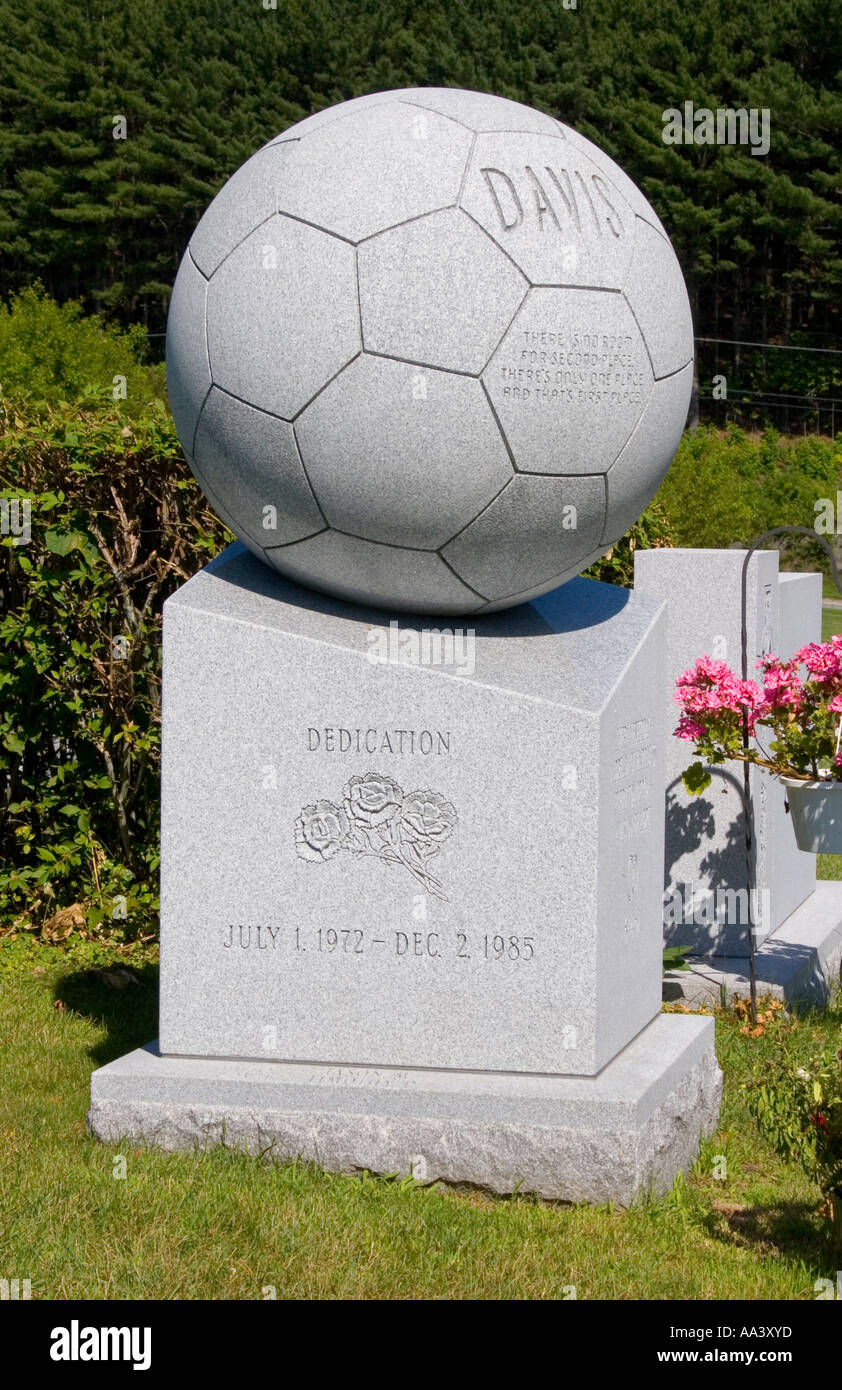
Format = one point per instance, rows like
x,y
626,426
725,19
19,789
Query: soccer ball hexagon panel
x,y
429,350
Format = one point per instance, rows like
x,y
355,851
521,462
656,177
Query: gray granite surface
x,y
405,302
409,864
614,1137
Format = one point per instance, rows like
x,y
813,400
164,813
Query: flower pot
x,y
816,809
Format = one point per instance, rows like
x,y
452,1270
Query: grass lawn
x,y
831,622
831,617
225,1226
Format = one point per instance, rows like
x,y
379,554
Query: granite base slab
x,y
629,1130
799,963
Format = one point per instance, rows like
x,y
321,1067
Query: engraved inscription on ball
x,y
430,350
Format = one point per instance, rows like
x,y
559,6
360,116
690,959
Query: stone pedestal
x,y
411,892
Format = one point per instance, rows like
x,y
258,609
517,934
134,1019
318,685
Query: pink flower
x,y
823,660
836,704
690,729
710,691
782,686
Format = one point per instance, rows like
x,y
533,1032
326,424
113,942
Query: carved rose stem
x,y
391,856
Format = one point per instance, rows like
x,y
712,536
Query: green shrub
x,y
708,491
651,529
52,352
727,489
117,523
799,1112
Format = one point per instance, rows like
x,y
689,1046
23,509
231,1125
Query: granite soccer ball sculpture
x,y
429,350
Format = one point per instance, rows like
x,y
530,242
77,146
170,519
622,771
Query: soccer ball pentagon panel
x,y
429,350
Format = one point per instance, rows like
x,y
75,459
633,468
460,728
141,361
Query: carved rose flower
x,y
372,800
320,831
427,818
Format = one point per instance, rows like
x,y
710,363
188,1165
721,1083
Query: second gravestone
x,y
706,902
412,874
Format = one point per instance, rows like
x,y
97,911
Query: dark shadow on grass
x,y
129,1014
786,1228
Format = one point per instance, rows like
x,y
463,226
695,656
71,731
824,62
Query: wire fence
x,y
723,400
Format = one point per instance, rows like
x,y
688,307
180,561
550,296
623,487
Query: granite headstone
x,y
705,899
429,350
